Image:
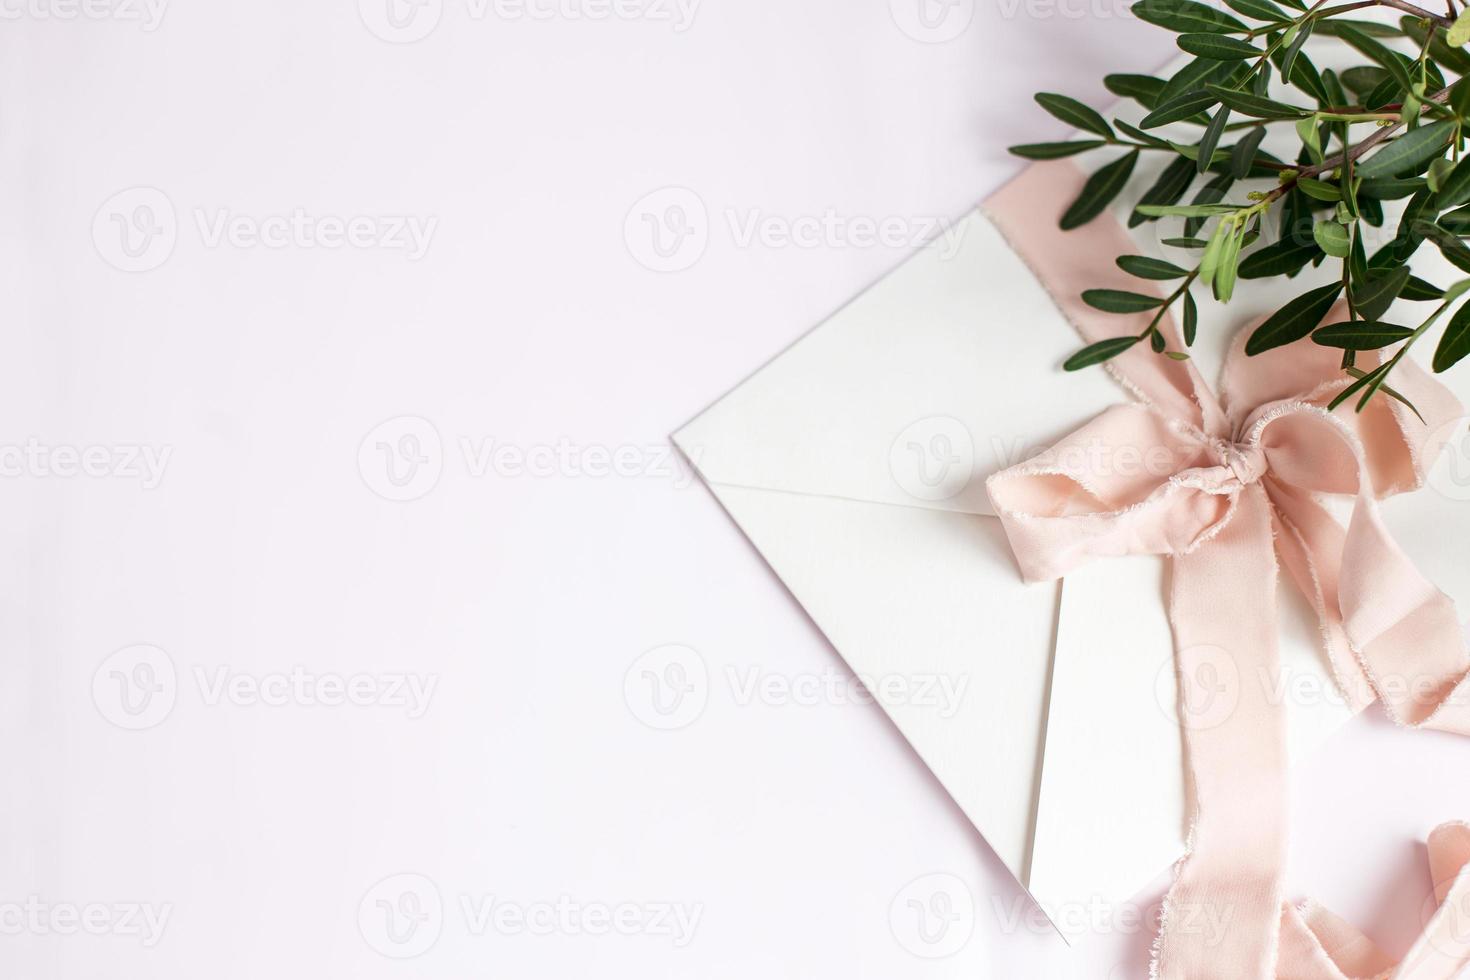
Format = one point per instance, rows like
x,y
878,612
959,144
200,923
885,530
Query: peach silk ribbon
x,y
1245,488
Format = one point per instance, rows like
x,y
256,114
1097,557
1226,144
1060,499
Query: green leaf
x,y
1332,238
1371,210
1211,140
1174,110
1358,263
1284,258
1104,350
1259,10
1138,134
1460,99
1433,78
1120,301
1374,384
1176,355
1145,267
1438,170
1336,94
1387,91
1449,244
1459,32
1224,278
1454,59
1218,47
1188,243
1333,27
1378,292
1055,151
1168,189
1255,105
1099,191
1348,210
1455,343
1387,391
1454,188
1408,238
1409,151
1184,16
1300,72
1320,190
1360,335
1074,113
1457,221
1189,210
1143,89
1191,319
1289,60
1212,193
1310,134
1218,157
1192,76
1295,221
1389,189
1397,65
1435,40
1417,290
1209,263
1295,320
1374,378
1360,81
1244,154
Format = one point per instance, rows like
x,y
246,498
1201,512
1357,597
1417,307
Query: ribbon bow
x,y
1225,486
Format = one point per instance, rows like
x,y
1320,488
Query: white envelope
x,y
855,462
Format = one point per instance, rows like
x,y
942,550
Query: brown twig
x,y
1407,8
1352,154
1410,8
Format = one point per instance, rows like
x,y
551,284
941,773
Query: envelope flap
x,y
924,607
907,396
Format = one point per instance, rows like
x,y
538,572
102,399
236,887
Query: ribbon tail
x,y
1310,544
1443,951
1220,920
1407,631
1317,944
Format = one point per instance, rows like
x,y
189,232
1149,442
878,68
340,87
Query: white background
x,y
524,589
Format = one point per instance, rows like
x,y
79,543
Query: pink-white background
x,y
526,593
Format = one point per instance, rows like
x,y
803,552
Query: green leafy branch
x,y
1391,129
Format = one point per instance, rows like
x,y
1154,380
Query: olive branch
x,y
1390,129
